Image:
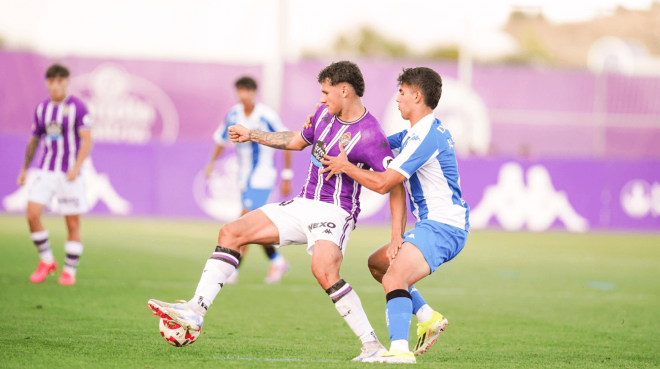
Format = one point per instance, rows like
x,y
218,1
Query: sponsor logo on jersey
x,y
321,225
318,152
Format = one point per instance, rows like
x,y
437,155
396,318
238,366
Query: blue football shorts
x,y
437,241
254,198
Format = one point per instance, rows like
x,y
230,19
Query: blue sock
x,y
398,312
417,299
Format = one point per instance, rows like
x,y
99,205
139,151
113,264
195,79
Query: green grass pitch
x,y
518,300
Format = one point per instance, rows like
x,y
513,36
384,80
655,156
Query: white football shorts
x,y
304,221
71,196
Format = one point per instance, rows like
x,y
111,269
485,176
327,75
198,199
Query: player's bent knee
x,y
392,281
229,237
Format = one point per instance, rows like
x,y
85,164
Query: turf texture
x,y
513,300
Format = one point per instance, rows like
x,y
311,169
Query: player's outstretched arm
x,y
381,182
278,140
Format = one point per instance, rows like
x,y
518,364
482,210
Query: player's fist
x,y
308,120
21,177
238,133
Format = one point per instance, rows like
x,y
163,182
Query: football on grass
x,y
175,334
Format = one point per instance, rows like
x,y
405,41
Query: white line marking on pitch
x,y
271,359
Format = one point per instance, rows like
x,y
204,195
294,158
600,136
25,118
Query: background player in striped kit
x,y
257,173
426,162
65,123
322,216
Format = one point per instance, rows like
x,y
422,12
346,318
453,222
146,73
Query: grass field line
x,y
277,359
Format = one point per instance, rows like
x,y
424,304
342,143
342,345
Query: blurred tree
x,y
368,42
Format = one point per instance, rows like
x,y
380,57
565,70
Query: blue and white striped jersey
x,y
256,165
425,156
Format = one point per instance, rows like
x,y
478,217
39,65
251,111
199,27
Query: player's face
x,y
246,96
57,87
331,96
406,100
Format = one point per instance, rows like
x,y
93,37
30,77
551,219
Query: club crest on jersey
x,y
318,152
345,139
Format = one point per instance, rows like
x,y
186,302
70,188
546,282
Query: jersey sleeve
x,y
396,140
308,133
377,154
415,153
221,134
83,119
37,129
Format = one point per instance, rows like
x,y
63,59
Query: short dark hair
x,y
57,70
343,71
246,82
427,80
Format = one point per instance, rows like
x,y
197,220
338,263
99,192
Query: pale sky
x,y
245,30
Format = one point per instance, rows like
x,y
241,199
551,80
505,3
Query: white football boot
x,y
178,312
371,349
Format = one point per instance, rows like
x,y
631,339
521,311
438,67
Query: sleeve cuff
x,y
403,172
304,138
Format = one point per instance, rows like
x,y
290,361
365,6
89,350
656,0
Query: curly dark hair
x,y
57,70
246,82
344,71
427,80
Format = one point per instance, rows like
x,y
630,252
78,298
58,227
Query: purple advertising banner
x,y
167,180
538,149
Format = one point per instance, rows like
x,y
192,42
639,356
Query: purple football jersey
x,y
366,146
60,123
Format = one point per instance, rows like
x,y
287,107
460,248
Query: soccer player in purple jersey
x,y
322,216
426,162
64,123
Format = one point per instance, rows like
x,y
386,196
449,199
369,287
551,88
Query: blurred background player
x,y
426,161
65,123
257,174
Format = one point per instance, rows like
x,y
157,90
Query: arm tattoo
x,y
31,149
277,140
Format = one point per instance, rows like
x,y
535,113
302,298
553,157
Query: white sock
x,y
217,270
424,314
73,250
401,345
349,307
40,240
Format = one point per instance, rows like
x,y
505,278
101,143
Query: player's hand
x,y
21,177
286,187
209,170
335,164
308,120
393,249
238,133
72,173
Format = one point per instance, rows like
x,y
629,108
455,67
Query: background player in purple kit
x,y
322,216
65,123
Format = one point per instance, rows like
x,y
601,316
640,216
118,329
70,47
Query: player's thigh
x,y
323,221
253,227
408,267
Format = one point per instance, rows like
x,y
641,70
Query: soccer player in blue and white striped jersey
x,y
256,165
426,162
